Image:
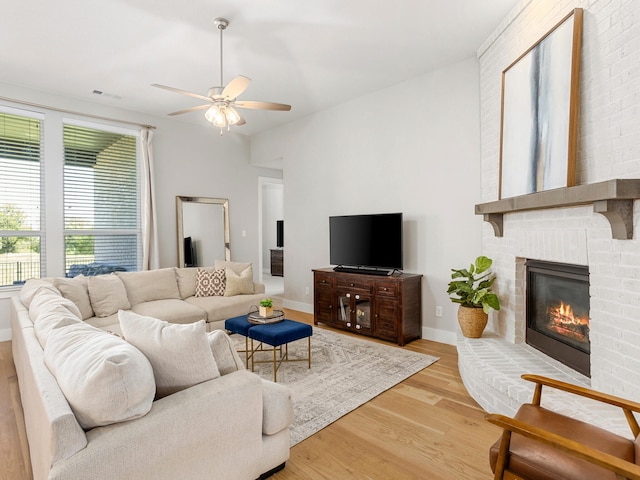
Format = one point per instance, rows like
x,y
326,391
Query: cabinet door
x,y
324,308
354,310
386,318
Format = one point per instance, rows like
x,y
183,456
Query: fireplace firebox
x,y
558,312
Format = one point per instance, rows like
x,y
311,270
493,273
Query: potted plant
x,y
471,288
266,307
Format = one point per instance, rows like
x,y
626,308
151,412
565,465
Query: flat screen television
x,y
366,242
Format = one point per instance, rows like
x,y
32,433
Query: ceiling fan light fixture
x,y
216,115
232,115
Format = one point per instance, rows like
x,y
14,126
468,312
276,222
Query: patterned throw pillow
x,y
210,282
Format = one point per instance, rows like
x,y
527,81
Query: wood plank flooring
x,y
427,427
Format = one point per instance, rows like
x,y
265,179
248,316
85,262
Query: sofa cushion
x,y
180,354
45,299
224,352
105,379
171,310
56,315
76,289
221,308
277,407
107,295
238,284
210,282
32,287
187,281
150,285
237,267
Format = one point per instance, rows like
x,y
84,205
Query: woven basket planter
x,y
472,321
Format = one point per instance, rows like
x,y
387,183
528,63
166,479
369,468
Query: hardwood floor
x,y
427,427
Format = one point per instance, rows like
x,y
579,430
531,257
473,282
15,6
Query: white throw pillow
x,y
107,294
239,284
224,352
105,379
76,289
179,353
237,267
186,281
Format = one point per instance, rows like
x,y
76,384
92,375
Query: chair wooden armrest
x,y
627,406
623,469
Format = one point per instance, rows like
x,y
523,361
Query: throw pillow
x,y
107,295
76,289
105,379
179,354
149,285
237,267
210,282
239,284
224,352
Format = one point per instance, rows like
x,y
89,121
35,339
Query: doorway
x,y
271,211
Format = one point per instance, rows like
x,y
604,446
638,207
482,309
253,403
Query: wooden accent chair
x,y
541,444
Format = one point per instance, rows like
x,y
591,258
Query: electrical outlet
x,y
306,290
438,311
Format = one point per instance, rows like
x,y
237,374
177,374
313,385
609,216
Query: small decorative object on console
x,y
266,307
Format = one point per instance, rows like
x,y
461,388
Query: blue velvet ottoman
x,y
278,334
241,326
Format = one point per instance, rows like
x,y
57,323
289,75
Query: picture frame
x,y
539,113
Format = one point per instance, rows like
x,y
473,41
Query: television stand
x,y
367,271
387,307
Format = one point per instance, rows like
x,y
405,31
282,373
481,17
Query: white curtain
x,y
149,223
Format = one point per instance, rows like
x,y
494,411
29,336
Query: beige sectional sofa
x,y
91,407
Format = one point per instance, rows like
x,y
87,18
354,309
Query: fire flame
x,y
563,321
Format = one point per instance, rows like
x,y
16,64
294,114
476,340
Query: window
x,y
21,206
101,201
87,176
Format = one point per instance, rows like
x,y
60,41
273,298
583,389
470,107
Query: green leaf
x,y
483,263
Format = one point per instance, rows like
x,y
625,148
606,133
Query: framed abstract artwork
x,y
539,121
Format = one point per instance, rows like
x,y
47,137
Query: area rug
x,y
345,373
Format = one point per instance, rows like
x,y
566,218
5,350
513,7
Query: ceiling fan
x,y
222,101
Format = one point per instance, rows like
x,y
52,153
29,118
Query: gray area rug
x,y
345,373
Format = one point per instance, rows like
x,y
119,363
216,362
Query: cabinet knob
x,y
358,327
348,324
385,289
352,284
357,297
348,295
330,306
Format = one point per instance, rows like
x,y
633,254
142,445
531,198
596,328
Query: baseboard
x,y
438,335
5,334
299,306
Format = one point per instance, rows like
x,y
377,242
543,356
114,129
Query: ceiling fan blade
x,y
192,109
263,105
235,87
183,92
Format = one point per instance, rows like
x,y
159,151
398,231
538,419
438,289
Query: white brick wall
x,y
608,147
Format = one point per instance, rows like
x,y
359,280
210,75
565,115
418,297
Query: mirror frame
x,y
180,201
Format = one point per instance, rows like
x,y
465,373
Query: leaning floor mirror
x,y
203,230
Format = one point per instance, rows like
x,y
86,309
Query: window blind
x,y
21,193
101,206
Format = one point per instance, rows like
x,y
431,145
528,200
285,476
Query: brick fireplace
x,y
608,148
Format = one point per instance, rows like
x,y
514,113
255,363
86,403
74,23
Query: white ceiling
x,y
312,54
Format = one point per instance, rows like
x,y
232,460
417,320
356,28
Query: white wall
x,y
413,148
191,160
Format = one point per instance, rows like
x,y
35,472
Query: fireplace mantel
x,y
611,198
